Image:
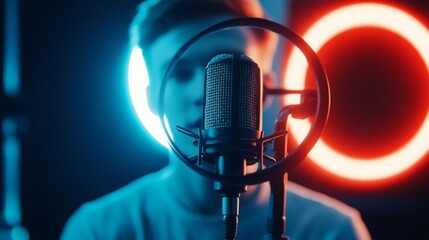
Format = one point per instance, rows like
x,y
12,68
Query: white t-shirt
x,y
144,209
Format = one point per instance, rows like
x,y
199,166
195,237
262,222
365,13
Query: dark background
x,y
85,140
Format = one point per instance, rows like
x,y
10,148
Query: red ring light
x,y
332,24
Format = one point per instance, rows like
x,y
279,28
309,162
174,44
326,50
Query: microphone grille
x,y
218,94
249,97
232,92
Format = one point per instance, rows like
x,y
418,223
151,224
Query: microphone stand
x,y
276,222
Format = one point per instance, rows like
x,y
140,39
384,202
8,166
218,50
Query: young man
x,y
177,203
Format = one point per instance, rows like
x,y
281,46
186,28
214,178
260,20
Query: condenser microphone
x,y
232,125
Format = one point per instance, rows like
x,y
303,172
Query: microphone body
x,y
232,125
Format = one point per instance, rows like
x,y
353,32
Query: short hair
x,y
156,17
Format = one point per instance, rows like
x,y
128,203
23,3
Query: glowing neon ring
x,y
334,23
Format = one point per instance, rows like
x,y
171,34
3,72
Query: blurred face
x,y
184,90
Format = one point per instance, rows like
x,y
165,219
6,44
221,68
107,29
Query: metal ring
x,y
322,112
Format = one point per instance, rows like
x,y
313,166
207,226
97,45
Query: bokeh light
x,y
138,80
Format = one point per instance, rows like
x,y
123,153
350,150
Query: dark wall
x,y
85,140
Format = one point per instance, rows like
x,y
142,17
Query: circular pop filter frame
x,y
321,116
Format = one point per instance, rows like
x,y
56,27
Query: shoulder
x,y
317,203
114,214
323,215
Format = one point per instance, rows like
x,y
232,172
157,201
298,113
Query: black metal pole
x,y
276,222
